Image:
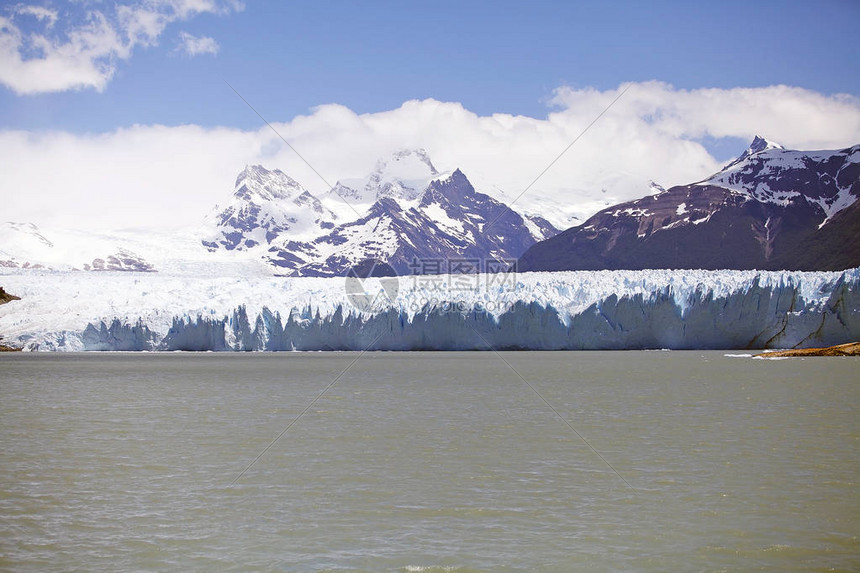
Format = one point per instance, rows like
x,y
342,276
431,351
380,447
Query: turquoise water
x,y
429,462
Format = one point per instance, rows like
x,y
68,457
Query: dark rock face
x,y
770,209
6,297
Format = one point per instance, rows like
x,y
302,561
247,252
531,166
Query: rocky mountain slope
x,y
405,215
265,205
771,208
450,224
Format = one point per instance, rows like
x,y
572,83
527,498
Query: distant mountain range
x,y
769,209
405,215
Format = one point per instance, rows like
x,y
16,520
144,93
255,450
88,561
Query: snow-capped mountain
x,y
771,208
24,245
403,177
271,222
447,223
404,210
264,206
172,251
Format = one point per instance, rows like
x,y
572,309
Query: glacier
x,y
582,310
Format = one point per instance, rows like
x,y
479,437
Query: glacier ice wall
x,y
571,310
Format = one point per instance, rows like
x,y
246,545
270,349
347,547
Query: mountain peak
x,y
403,176
251,171
266,184
770,209
418,155
760,144
406,164
265,204
455,189
655,188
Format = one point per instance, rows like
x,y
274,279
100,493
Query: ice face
x,y
561,310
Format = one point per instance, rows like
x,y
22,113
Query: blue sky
x,y
508,57
99,90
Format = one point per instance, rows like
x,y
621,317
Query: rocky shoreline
x,y
4,298
850,349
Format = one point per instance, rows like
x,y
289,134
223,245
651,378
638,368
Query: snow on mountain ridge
x,y
383,216
29,229
269,215
772,208
257,181
769,173
403,177
24,245
265,204
760,144
447,222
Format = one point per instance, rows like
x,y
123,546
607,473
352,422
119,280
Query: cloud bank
x,y
43,49
173,176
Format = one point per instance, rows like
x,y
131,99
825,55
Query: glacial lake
x,y
436,461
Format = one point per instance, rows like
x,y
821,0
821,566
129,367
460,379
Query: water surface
x,y
429,462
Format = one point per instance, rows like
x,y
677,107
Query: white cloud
x,y
66,54
39,12
139,176
798,117
195,46
84,60
156,175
